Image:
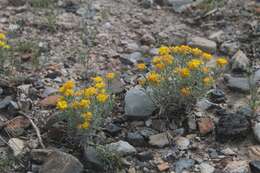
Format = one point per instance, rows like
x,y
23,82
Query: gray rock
x,y
56,161
182,143
147,39
17,2
136,139
237,167
49,91
122,148
147,132
153,51
112,129
17,145
1,91
132,58
217,36
239,62
179,5
24,88
255,166
116,86
206,168
229,48
131,47
160,140
138,105
93,159
203,43
256,130
147,3
183,164
5,102
239,84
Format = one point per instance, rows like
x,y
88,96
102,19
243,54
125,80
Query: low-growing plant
x,y
178,77
41,3
84,109
4,52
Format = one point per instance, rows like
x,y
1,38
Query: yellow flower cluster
x,y
86,100
3,43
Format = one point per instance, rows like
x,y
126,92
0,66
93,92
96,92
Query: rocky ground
x,y
75,39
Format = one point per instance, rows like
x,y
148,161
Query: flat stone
x,y
163,166
203,43
121,147
93,159
5,102
138,105
17,146
206,168
56,161
239,84
237,167
239,62
160,140
112,129
182,143
183,164
49,91
145,156
49,101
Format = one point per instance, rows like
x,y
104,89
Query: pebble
x,y
239,62
183,164
182,143
17,145
123,148
160,140
203,43
206,168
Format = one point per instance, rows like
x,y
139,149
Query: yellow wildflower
x,y
75,105
184,72
194,64
196,51
97,79
85,125
160,66
142,82
185,91
102,98
167,59
205,69
68,85
2,36
207,81
110,75
87,116
78,93
221,62
62,105
84,103
141,66
69,92
156,60
207,56
164,50
100,85
184,49
154,78
91,91
2,44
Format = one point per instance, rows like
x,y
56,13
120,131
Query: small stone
x,y
217,96
1,91
203,43
182,143
5,102
217,36
192,123
147,132
138,105
136,139
228,152
254,152
56,161
17,125
206,168
255,166
135,57
121,147
237,167
147,39
160,140
68,20
183,164
205,125
17,145
49,91
145,156
24,88
239,62
163,166
49,101
93,159
256,130
17,2
147,3
112,129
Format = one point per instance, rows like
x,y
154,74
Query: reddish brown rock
x,y
17,125
205,125
163,166
49,101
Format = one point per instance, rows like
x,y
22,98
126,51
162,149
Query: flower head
x,y
160,66
221,62
110,75
206,56
194,64
102,98
141,66
100,85
62,105
167,59
185,91
84,103
164,50
69,92
153,78
97,79
207,81
2,36
91,91
156,60
184,72
87,116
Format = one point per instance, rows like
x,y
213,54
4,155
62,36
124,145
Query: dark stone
x,y
212,153
145,156
71,7
5,102
232,126
112,129
147,132
255,166
53,74
136,139
217,96
93,159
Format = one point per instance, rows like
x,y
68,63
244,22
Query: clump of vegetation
x,y
178,77
41,3
84,109
208,5
4,51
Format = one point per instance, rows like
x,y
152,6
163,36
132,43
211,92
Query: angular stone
x,y
239,62
229,48
56,161
239,84
237,167
17,145
112,129
163,166
138,105
93,159
5,102
203,43
160,140
205,125
183,164
206,168
255,166
182,143
49,101
122,148
136,139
